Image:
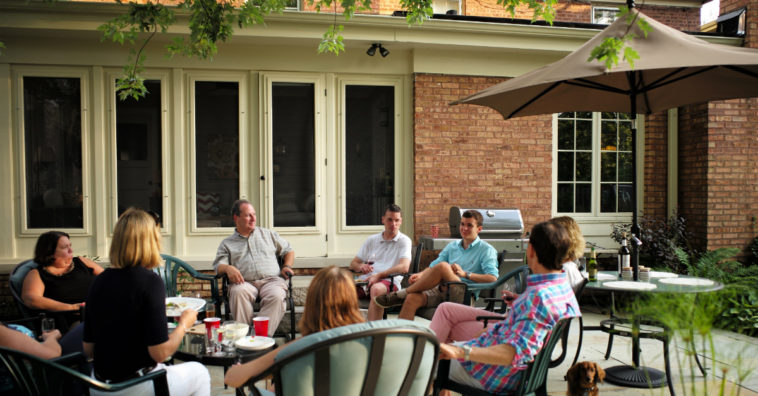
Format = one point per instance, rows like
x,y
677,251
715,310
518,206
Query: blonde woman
x,y
125,327
331,302
575,252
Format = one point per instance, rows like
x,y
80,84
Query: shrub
x,y
660,240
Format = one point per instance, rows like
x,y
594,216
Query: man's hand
x,y
414,277
458,271
448,351
366,268
508,297
374,279
287,272
234,275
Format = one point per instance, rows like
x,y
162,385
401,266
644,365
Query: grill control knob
x,y
490,213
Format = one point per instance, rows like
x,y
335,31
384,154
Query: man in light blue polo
x,y
470,260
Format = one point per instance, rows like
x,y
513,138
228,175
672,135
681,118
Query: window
x,y
53,152
138,151
369,152
294,150
604,15
593,163
217,123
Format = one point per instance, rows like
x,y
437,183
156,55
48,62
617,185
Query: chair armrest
x,y
487,318
500,281
494,304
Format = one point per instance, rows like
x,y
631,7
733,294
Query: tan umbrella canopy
x,y
674,69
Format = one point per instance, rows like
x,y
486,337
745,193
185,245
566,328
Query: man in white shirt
x,y
385,253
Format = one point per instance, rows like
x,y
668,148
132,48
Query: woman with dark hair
x,y
331,302
61,281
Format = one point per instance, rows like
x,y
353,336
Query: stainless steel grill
x,y
496,224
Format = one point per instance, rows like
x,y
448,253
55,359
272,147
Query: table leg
x,y
636,376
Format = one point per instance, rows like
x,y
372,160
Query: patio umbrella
x,y
674,69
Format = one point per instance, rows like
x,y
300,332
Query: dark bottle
x,y
624,255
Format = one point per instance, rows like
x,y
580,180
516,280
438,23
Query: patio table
x,y
192,349
608,281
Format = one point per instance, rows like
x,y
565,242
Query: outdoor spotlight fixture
x,y
372,50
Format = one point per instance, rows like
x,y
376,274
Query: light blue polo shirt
x,y
479,258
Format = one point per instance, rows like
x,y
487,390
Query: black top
x,y
126,313
71,287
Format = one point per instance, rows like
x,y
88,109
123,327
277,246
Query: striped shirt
x,y
547,299
254,256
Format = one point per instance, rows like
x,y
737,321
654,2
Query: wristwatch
x,y
468,274
466,352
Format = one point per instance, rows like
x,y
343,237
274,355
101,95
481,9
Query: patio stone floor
x,y
729,346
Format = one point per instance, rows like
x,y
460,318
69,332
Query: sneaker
x,y
388,300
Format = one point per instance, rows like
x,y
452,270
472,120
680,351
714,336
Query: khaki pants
x,y
270,292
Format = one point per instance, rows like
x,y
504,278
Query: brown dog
x,y
583,378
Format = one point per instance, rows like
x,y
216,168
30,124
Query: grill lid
x,y
497,223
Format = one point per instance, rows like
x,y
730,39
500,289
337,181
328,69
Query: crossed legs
x,y
414,295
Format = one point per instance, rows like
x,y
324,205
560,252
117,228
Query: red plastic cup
x,y
260,326
435,231
210,324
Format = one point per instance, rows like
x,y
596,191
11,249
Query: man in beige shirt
x,y
248,257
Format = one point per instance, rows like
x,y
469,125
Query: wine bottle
x,y
592,266
624,256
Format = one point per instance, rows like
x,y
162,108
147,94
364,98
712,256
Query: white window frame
x,y
342,83
596,216
53,72
241,78
266,150
163,77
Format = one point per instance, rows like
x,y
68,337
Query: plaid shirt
x,y
255,256
547,299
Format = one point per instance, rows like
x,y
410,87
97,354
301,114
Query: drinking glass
x,y
210,310
48,325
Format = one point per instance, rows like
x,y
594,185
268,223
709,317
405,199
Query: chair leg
x,y
610,344
668,365
581,336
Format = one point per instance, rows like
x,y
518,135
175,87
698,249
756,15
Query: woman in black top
x,y
61,281
125,326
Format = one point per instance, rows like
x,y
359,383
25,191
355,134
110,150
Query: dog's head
x,y
585,374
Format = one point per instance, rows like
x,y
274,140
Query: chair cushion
x,y
17,278
348,373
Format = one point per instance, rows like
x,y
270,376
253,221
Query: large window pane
x,y
369,152
565,197
293,137
583,198
138,148
216,151
575,163
566,166
53,150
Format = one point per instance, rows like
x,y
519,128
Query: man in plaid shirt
x,y
495,360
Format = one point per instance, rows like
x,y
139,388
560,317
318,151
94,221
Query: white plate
x,y
687,281
659,274
254,343
629,285
182,303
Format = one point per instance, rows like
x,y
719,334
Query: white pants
x,y
186,379
270,291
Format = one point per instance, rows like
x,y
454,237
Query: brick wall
x,y
655,165
469,156
732,174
